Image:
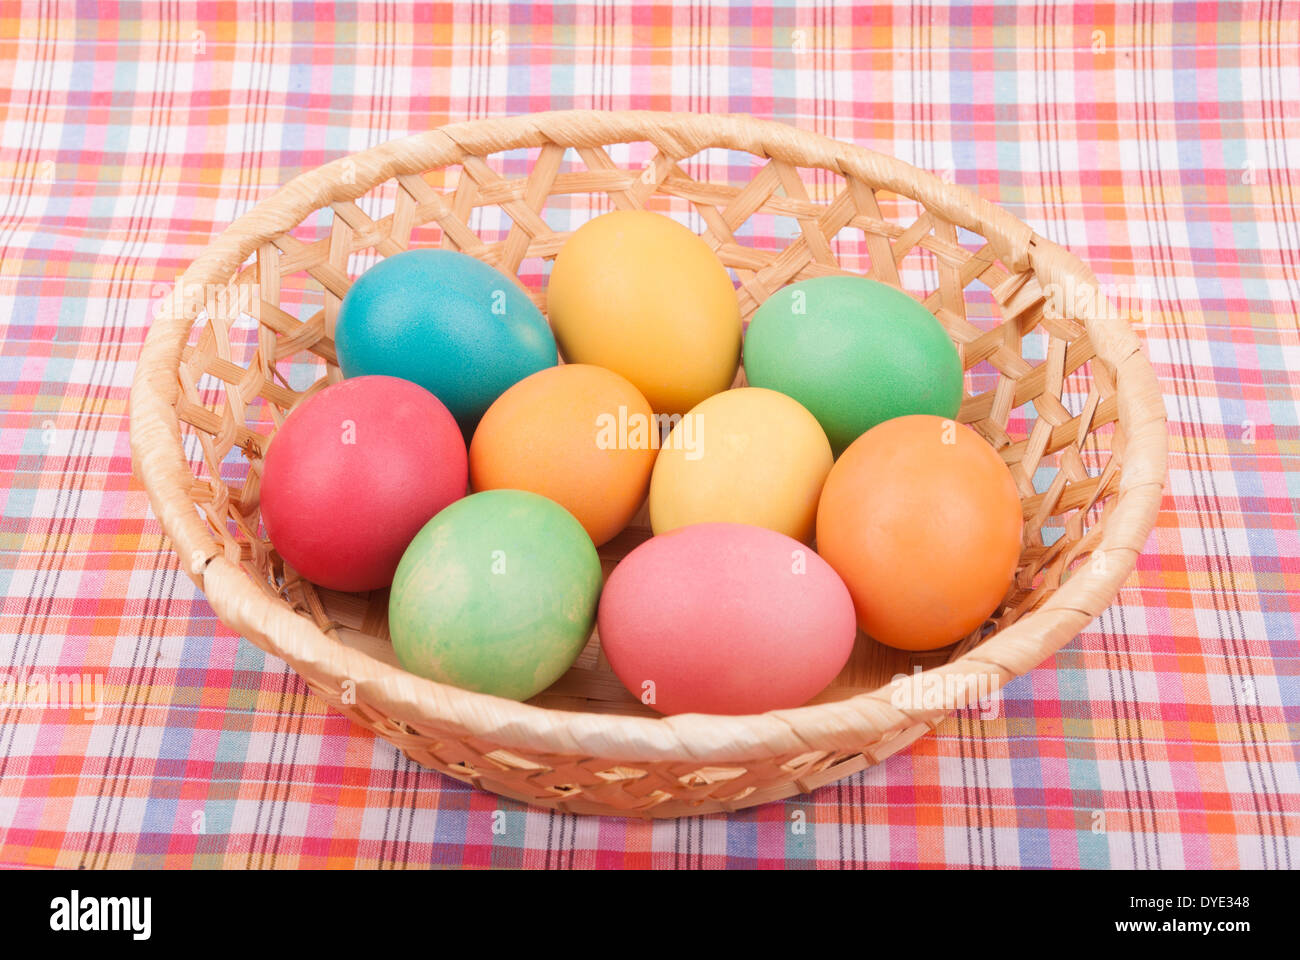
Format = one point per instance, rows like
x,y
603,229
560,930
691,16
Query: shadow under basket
x,y
1055,381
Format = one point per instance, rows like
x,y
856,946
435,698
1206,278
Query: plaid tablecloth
x,y
1160,143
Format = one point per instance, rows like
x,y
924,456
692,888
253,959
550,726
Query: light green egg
x,y
496,594
855,352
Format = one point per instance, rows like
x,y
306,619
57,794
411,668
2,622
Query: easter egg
x,y
581,435
458,327
640,294
922,520
496,594
743,456
725,618
855,352
353,473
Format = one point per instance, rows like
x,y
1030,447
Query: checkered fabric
x,y
1159,142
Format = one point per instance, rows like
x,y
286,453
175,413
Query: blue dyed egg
x,y
458,327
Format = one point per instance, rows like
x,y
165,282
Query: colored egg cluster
x,y
477,454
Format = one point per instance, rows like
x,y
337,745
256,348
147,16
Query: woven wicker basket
x,y
222,355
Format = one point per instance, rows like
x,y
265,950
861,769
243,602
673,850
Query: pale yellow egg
x,y
743,456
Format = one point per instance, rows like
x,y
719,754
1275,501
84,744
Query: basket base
x,y
611,801
609,786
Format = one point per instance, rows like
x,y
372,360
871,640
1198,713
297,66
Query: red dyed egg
x,y
354,473
725,618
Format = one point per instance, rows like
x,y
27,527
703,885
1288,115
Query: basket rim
x,y
838,726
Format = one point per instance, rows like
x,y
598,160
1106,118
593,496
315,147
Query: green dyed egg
x,y
855,352
497,594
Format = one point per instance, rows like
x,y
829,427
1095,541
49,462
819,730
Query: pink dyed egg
x,y
725,618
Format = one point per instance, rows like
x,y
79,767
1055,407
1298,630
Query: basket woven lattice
x,y
1057,384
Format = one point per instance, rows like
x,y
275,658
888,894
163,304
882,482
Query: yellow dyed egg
x,y
743,456
641,295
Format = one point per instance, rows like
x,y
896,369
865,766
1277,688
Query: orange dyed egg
x,y
922,520
579,434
